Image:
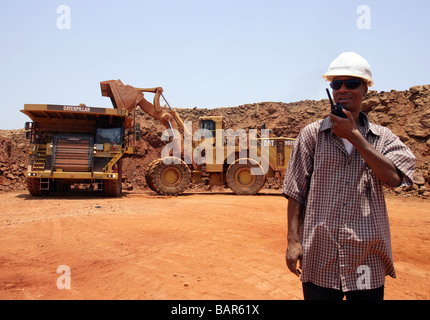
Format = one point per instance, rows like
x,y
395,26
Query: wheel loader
x,y
172,173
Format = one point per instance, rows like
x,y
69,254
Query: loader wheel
x,y
170,179
241,181
148,173
111,187
33,185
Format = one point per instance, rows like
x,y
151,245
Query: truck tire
x,y
240,180
148,173
33,185
170,178
113,187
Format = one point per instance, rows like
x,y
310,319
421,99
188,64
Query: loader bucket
x,y
122,96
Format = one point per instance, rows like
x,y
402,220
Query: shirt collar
x,y
367,126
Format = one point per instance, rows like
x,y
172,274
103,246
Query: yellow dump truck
x,y
76,145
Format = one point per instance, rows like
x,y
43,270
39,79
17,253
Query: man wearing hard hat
x,y
338,229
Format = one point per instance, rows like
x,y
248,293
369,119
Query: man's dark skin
x,y
382,167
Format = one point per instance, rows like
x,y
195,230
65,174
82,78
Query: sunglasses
x,y
349,84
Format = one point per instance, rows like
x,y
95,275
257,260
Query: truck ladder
x,y
39,161
44,184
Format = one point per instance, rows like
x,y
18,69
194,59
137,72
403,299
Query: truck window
x,y
109,135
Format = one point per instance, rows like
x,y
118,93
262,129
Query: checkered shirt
x,y
344,227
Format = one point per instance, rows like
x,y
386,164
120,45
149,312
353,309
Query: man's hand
x,y
294,249
344,127
294,255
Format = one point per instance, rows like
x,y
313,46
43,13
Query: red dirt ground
x,y
197,246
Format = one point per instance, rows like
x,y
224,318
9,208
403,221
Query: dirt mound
x,y
406,113
13,159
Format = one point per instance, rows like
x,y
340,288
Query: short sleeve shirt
x,y
344,227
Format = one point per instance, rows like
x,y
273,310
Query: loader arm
x,y
126,97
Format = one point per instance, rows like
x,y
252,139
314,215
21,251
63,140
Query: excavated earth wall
x,y
406,113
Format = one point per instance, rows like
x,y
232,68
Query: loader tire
x,y
241,181
33,186
170,178
148,173
113,187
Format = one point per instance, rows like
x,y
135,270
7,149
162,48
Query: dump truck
x,y
72,145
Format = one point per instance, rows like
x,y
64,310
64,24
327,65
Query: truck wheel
x,y
33,185
241,181
170,178
148,173
113,187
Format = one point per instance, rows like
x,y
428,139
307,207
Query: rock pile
x,y
13,159
421,186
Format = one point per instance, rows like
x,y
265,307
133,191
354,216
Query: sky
x,y
205,54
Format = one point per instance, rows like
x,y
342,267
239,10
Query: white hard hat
x,y
350,64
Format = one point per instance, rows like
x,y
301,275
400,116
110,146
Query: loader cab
x,y
209,125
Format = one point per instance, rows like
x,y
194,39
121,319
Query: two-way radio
x,y
336,109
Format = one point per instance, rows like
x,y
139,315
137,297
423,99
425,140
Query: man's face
x,y
350,98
